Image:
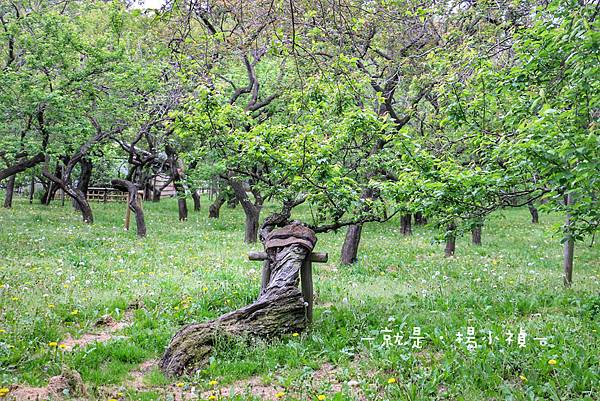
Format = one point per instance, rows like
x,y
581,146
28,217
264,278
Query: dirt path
x,y
69,382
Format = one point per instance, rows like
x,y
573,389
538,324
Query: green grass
x,y
52,265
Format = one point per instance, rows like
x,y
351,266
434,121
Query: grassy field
x,y
58,277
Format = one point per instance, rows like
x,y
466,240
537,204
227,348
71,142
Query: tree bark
x,y
406,224
196,198
251,210
251,226
183,210
130,187
31,189
156,192
76,194
22,166
569,246
232,202
350,246
450,240
49,194
10,190
215,208
535,219
279,309
420,220
51,190
476,232
84,178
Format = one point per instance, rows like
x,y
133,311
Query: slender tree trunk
x,y
196,198
130,187
476,232
156,195
406,224
420,220
84,178
183,210
569,246
535,219
215,207
10,190
351,243
251,226
50,192
31,189
251,210
450,240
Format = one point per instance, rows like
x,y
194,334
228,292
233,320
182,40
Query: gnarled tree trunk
x,y
10,190
183,210
406,224
76,194
450,240
251,210
420,219
350,246
22,165
130,187
215,208
279,309
476,232
84,178
196,198
535,218
51,189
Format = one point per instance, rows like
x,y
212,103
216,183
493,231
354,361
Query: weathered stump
x,y
279,309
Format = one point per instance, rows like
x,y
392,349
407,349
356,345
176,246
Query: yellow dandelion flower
x,y
205,289
50,306
4,391
523,378
280,394
112,399
52,344
2,331
119,394
180,384
295,335
321,397
552,362
74,312
213,382
212,397
391,380
62,346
